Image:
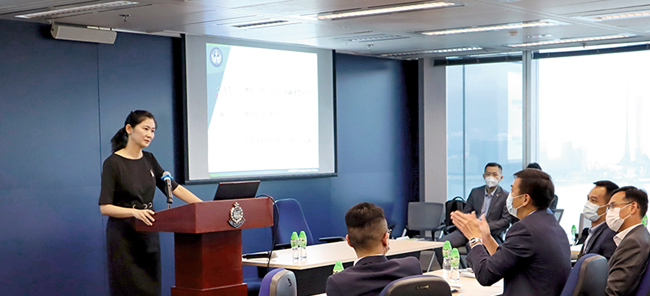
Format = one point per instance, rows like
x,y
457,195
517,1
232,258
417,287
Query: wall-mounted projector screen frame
x,y
256,110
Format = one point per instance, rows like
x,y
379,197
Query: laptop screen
x,y
234,190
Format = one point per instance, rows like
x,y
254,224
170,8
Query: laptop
x,y
235,190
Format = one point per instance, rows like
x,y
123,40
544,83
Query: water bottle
x,y
446,252
645,220
303,244
574,234
295,251
454,273
338,267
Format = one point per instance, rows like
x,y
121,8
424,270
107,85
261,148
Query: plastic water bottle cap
x,y
294,235
302,234
447,245
454,253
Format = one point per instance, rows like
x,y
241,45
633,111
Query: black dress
x,y
133,257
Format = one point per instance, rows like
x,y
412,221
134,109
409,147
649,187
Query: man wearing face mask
x,y
601,238
535,257
629,262
489,201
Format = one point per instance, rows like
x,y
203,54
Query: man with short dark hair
x,y
625,211
368,235
553,205
535,258
600,239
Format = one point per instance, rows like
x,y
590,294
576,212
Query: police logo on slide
x,y
216,57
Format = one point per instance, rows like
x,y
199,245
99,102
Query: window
x,y
484,123
593,124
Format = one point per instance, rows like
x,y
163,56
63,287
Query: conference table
x,y
312,272
469,286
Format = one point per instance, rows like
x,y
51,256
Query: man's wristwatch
x,y
475,241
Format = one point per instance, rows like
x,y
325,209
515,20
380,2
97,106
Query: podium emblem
x,y
236,216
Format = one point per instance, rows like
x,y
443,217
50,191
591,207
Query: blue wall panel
x,y
62,101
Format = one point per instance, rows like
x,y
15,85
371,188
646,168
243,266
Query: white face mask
x,y
591,211
511,209
491,181
613,218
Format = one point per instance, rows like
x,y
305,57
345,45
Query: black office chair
x,y
417,285
425,216
588,277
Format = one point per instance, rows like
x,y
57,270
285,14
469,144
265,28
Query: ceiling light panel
x,y
76,9
510,26
573,40
617,16
432,51
385,10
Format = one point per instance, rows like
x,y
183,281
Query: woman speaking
x,y
129,180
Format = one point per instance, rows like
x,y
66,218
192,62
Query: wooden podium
x,y
207,247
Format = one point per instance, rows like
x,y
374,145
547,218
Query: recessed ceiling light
x,y
510,26
573,40
385,10
539,36
77,9
446,50
605,17
372,38
261,24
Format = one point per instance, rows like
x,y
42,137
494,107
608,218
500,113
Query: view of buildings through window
x,y
484,123
593,124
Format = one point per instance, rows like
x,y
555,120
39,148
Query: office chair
x,y
279,282
644,285
588,277
288,217
417,285
425,216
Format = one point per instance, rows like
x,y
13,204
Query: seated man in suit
x,y
629,262
368,235
600,239
535,258
488,200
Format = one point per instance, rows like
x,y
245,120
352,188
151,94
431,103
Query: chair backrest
x,y
417,285
455,204
279,282
289,218
588,277
424,215
644,285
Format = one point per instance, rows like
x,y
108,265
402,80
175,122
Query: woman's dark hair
x,y
121,137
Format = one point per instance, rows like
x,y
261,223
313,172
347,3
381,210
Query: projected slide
x,y
262,110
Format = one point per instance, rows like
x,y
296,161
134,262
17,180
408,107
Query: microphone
x,y
168,180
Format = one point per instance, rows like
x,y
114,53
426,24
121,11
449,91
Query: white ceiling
x,y
218,18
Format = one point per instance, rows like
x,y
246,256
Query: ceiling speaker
x,y
83,34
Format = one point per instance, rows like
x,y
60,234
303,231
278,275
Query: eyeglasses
x,y
612,205
389,231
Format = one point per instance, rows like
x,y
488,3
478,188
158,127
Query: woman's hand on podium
x,y
145,216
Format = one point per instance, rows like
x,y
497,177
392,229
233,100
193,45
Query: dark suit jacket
x,y
535,258
629,262
370,275
601,242
498,217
